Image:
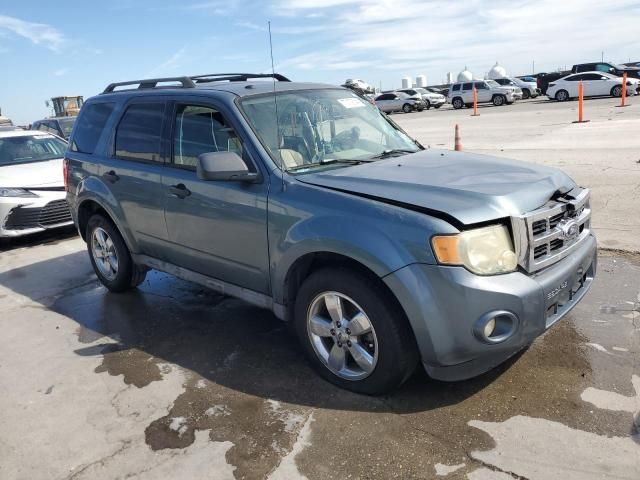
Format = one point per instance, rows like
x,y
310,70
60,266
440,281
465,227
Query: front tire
x,y
110,257
526,94
499,100
427,104
616,91
406,108
353,332
457,103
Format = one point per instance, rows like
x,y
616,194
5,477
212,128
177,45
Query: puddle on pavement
x,y
249,384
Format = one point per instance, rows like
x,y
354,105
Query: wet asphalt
x,y
174,381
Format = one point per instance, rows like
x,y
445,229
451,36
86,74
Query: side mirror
x,y
225,166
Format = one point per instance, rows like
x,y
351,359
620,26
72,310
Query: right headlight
x,y
484,251
15,192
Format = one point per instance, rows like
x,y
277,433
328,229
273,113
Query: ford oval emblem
x,y
569,229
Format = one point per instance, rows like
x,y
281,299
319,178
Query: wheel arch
x,y
312,262
91,206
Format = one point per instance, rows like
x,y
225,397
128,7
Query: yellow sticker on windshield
x,y
351,102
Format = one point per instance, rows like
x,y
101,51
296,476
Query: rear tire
x,y
110,257
437,106
616,91
406,108
457,103
562,95
388,350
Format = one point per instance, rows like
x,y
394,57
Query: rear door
x,y
216,228
133,170
572,84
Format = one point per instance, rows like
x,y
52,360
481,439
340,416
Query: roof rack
x,y
151,83
237,77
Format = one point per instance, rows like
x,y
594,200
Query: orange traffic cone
x,y
457,145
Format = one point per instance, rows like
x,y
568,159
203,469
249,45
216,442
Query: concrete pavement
x,y
173,381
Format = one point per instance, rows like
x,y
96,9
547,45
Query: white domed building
x,y
465,75
497,71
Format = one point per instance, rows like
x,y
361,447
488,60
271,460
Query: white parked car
x,y
398,102
529,89
461,93
32,192
359,84
595,84
430,99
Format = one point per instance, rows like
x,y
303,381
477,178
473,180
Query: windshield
x,y
492,83
25,149
66,125
323,129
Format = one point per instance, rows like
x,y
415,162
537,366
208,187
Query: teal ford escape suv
x,y
306,200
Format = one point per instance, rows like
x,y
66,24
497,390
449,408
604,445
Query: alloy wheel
x,y
104,253
342,336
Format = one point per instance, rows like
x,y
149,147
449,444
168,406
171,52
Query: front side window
x,y
318,127
30,148
603,67
456,88
481,86
467,86
199,130
139,133
91,122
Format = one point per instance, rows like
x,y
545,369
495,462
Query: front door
x,y
216,228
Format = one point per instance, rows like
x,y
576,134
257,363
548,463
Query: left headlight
x,y
15,192
484,251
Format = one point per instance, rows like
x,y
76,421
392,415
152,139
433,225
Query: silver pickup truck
x,y
306,200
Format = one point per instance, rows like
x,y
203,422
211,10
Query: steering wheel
x,y
347,139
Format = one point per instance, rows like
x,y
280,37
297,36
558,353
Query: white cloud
x,y
61,72
37,33
435,36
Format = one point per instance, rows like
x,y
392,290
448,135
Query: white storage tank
x,y
465,75
421,81
406,82
497,71
449,78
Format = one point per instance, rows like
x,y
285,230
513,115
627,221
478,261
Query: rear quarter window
x,y
90,125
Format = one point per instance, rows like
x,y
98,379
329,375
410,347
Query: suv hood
x,y
463,188
47,173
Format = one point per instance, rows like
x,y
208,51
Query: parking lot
x,y
603,154
175,381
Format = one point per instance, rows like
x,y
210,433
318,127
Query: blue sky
x,y
78,47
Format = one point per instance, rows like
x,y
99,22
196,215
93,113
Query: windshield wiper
x,y
330,161
394,152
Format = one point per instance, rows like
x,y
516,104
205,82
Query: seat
x,y
290,158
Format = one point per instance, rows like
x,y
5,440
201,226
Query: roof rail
x,y
237,77
151,83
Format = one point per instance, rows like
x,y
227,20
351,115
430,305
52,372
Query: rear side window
x,y
139,133
467,86
91,122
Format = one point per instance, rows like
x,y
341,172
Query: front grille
x,y
52,214
550,233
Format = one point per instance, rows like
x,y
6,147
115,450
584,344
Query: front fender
x,y
308,219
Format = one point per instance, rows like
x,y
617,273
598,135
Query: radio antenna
x,y
275,103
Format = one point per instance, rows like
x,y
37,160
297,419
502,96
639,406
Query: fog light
x,y
489,327
496,326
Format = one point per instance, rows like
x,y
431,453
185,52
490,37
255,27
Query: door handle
x,y
179,191
111,176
